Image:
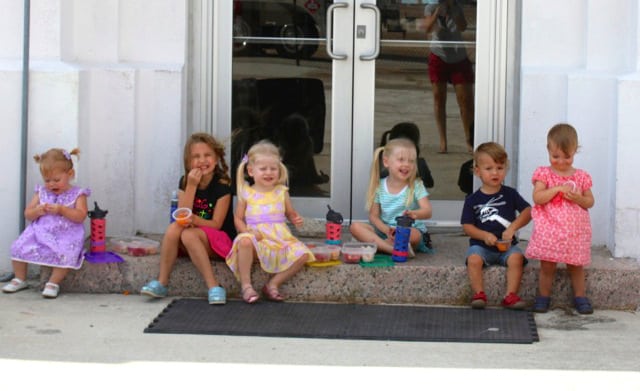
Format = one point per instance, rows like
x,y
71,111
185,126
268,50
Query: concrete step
x,y
430,279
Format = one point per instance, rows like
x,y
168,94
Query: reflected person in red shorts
x,y
449,63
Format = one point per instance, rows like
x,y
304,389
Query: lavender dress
x,y
53,240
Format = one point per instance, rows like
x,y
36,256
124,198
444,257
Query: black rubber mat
x,y
346,321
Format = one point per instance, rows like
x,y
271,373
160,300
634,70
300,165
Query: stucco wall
x,y
106,76
573,58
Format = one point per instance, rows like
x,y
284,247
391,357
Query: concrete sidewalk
x,y
96,341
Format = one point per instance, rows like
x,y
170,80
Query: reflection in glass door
x,y
328,111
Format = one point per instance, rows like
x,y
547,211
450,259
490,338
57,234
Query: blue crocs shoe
x,y
154,289
217,295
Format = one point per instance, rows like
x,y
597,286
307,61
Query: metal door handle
x,y
376,51
330,31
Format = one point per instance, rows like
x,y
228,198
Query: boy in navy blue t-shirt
x,y
491,216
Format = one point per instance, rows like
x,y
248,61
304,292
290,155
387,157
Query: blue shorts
x,y
422,247
493,257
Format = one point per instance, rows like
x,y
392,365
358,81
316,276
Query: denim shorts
x,y
493,257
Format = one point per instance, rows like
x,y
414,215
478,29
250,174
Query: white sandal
x,y
15,285
51,290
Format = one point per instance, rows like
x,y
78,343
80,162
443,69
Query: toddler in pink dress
x,y
562,228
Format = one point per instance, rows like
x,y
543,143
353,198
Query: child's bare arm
x,y
291,213
476,233
523,219
424,211
34,210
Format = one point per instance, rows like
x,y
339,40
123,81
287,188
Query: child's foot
x,y
51,290
479,300
249,295
217,295
154,289
271,293
541,304
513,302
15,285
583,305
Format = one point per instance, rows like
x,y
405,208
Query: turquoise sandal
x,y
217,295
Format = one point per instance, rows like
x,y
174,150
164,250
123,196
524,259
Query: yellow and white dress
x,y
278,249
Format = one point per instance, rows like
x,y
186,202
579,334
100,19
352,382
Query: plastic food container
x,y
503,245
182,216
354,252
136,246
324,252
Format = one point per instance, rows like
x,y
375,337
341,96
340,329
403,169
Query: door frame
x,y
497,68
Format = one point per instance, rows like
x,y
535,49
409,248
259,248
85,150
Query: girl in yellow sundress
x,y
260,218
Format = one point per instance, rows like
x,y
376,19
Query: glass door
x,y
325,80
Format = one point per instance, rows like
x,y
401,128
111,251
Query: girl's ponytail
x,y
374,177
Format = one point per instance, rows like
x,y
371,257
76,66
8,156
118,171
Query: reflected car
x,y
284,20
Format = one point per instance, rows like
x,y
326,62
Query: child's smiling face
x,y
204,158
401,163
265,171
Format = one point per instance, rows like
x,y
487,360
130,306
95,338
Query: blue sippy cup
x,y
401,243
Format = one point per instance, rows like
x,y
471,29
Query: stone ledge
x,y
432,279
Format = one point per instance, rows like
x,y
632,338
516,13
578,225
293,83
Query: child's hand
x,y
490,239
391,233
296,220
52,209
41,210
411,213
194,176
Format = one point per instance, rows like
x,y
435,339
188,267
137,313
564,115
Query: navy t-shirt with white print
x,y
492,212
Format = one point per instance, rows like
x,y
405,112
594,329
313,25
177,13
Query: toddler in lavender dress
x,y
55,237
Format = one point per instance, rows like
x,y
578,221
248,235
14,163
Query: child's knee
x,y
474,261
245,243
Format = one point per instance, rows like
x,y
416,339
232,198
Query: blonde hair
x,y
221,169
565,137
261,148
386,151
492,149
56,159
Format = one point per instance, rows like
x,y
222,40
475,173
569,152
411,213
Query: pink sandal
x,y
272,293
249,295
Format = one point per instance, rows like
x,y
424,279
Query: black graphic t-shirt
x,y
492,212
205,201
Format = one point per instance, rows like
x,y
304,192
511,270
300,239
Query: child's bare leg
x,y
279,278
545,279
246,253
169,252
577,280
20,269
515,265
197,245
364,233
474,270
58,274
415,237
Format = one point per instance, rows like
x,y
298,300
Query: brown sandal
x,y
249,295
272,293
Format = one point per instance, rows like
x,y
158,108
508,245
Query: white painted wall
x,y
106,76
574,54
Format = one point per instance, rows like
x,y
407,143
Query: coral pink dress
x,y
278,249
562,228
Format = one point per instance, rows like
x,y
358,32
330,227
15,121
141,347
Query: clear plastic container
x,y
324,252
136,246
354,252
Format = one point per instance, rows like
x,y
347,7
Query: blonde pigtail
x,y
240,177
374,177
